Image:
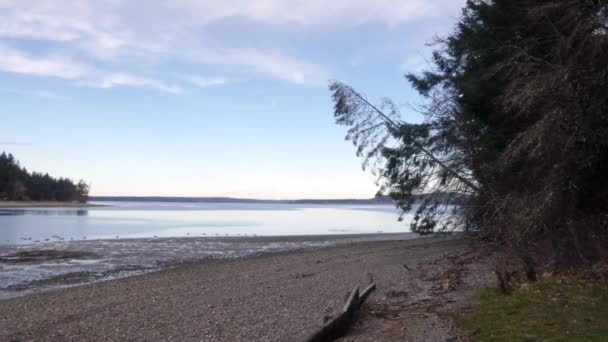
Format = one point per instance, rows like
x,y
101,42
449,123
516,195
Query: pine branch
x,y
394,125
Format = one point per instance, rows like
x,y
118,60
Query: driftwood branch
x,y
339,325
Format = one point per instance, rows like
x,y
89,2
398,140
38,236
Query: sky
x,y
203,97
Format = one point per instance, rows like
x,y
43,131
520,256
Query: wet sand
x,y
271,297
36,267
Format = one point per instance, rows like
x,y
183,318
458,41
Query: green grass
x,y
564,309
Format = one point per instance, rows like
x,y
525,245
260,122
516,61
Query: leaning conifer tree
x,y
516,125
415,163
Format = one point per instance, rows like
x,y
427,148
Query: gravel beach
x,y
272,297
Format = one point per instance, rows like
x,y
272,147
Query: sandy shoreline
x,y
273,297
44,204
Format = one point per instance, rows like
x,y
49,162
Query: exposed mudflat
x,y
270,297
26,269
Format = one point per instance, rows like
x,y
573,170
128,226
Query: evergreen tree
x,y
516,123
82,191
17,184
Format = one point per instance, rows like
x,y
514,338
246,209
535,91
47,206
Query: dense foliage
x,y
17,184
516,128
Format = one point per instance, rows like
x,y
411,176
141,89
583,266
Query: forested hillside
x,y
17,184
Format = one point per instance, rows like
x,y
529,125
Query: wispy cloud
x,y
15,61
282,68
112,80
204,81
266,64
15,143
316,13
41,94
106,34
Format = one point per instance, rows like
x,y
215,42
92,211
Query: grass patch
x,y
552,309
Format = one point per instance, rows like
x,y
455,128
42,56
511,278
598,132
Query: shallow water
x,y
127,239
147,220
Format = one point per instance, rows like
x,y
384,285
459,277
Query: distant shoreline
x,y
379,200
384,200
45,204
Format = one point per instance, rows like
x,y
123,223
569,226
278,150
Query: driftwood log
x,y
339,325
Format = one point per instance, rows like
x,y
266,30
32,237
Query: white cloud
x,y
151,32
315,13
112,80
282,68
15,61
266,64
41,94
45,94
15,143
203,81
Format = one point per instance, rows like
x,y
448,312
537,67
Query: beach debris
x,y
368,290
304,275
396,294
407,267
338,325
44,255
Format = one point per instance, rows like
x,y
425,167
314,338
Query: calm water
x,y
147,220
126,239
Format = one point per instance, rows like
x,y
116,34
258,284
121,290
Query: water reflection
x,y
44,212
142,220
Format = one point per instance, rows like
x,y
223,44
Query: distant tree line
x,y
376,200
516,125
17,184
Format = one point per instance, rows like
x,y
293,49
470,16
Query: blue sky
x,y
201,97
